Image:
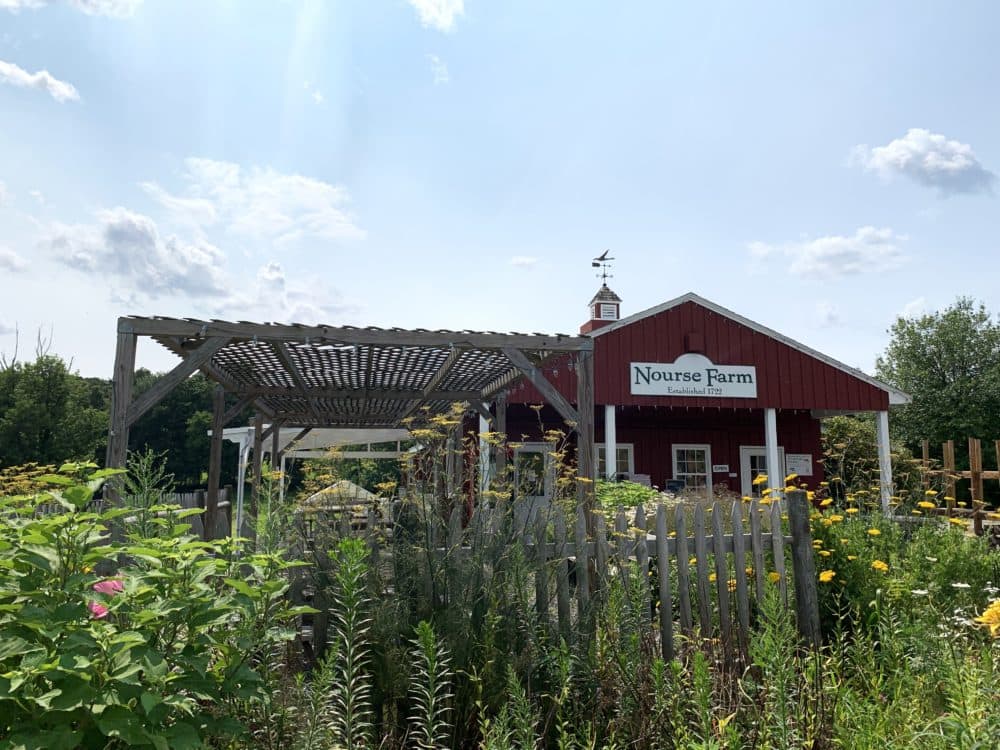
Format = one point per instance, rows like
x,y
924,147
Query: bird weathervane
x,y
603,261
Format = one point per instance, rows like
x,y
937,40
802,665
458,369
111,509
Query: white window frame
x,y
746,488
708,461
598,447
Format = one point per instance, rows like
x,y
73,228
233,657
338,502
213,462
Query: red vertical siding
x,y
787,378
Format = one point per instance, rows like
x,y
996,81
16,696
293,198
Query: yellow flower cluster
x,y
991,618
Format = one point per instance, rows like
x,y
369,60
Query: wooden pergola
x,y
344,376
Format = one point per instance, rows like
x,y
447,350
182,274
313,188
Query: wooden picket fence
x,y
707,575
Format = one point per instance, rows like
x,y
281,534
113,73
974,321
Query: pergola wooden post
x,y
500,461
585,428
121,397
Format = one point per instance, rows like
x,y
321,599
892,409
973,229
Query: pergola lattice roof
x,y
319,376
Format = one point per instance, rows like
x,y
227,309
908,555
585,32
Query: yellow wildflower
x,y
852,511
931,493
880,566
791,478
824,553
874,532
852,557
836,518
925,504
759,479
712,578
991,618
826,503
774,576
956,521
826,576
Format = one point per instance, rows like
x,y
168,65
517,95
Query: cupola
x,y
605,308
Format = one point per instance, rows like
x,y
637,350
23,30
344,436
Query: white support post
x,y
775,479
610,443
484,455
884,459
241,479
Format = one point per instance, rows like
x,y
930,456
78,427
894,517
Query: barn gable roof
x,y
896,396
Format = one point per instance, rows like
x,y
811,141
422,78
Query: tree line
x,y
50,414
948,361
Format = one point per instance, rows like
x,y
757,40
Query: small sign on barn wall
x,y
799,463
693,375
720,468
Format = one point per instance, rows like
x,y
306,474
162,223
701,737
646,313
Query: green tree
x,y
178,426
949,361
49,414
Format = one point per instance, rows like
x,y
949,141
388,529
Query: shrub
x,y
155,642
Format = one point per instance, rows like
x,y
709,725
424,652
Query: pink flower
x,y
110,586
99,611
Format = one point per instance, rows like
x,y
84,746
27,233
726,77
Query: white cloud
x,y
439,69
189,211
113,8
829,314
523,261
439,14
274,298
42,80
263,203
869,249
38,196
126,248
915,308
16,5
929,159
10,261
318,97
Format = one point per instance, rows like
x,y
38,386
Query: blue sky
x,y
456,163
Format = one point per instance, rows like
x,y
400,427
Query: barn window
x,y
609,312
625,463
693,466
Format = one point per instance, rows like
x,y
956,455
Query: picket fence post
x,y
804,568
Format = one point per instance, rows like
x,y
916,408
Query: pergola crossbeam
x,y
541,383
192,361
349,336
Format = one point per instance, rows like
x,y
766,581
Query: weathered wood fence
x,y
707,568
951,476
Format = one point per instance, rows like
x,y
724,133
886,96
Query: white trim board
x,y
895,396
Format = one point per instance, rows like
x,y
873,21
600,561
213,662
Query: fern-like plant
x,y
352,696
430,690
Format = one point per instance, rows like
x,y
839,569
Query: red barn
x,y
695,396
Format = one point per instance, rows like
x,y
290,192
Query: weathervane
x,y
603,261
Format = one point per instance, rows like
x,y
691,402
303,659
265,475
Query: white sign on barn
x,y
693,375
